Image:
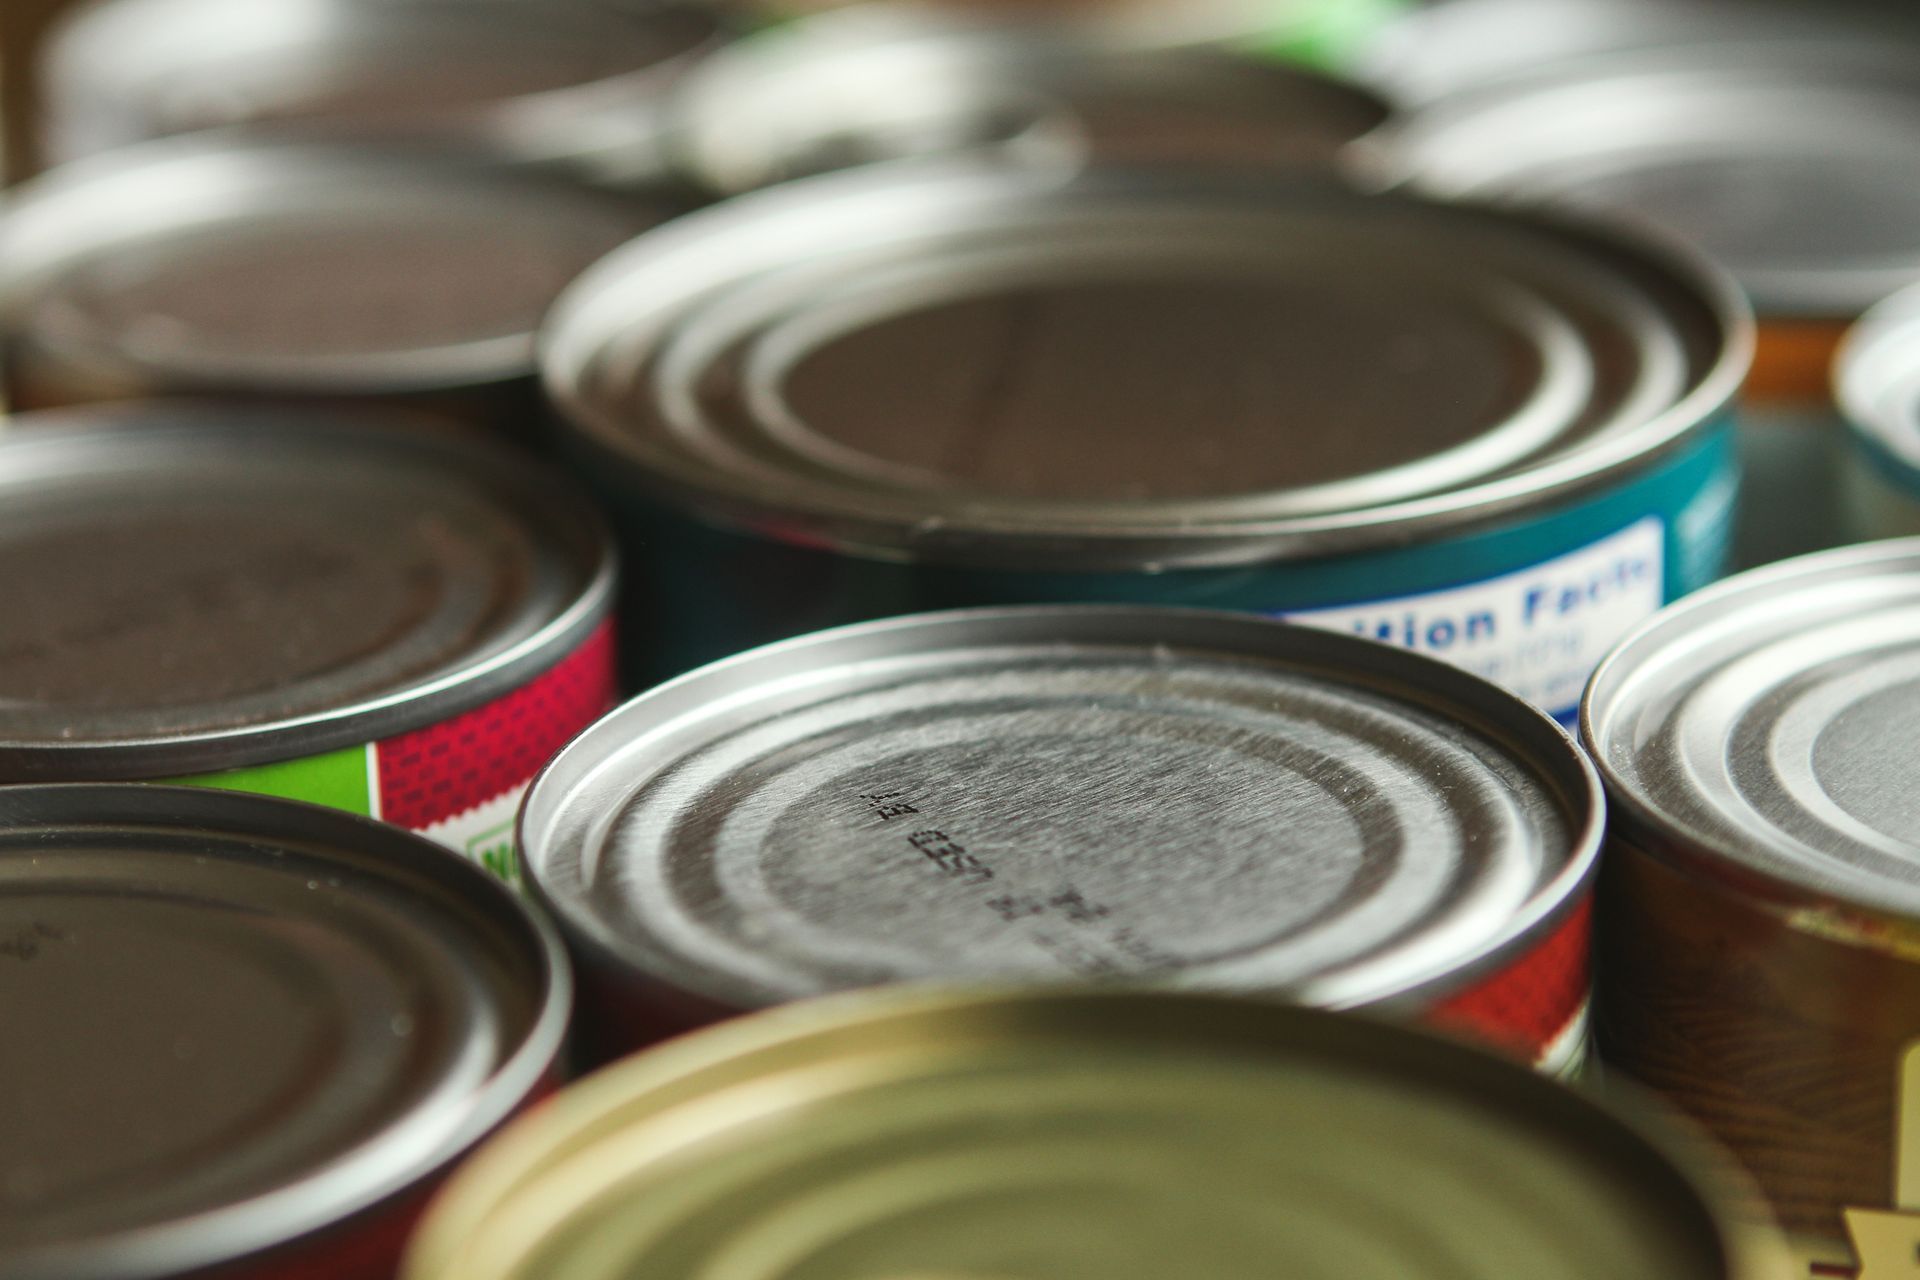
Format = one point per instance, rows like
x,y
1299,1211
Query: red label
x,y
1527,1006
446,769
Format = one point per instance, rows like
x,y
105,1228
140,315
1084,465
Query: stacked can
x,y
1075,1136
389,622
878,393
1763,921
1087,794
1789,159
247,1037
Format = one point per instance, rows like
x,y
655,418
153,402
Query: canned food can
x,y
1877,380
400,625
870,84
1487,436
1792,162
247,1037
1075,793
568,84
1316,32
312,274
1758,961
1065,1134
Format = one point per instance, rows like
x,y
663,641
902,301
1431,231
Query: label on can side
x,y
1538,632
1535,606
458,781
1536,1007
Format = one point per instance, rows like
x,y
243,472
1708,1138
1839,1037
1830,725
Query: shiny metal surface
x,y
207,587
1766,724
1072,1136
1877,382
232,1021
1120,371
564,81
206,265
1068,793
1793,165
876,83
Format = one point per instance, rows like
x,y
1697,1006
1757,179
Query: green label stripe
x,y
337,779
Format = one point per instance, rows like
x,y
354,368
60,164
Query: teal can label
x,y
1534,606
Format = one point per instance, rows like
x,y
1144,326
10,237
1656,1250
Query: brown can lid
x,y
232,1021
218,586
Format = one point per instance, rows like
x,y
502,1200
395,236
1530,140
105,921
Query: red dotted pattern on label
x,y
439,772
1525,1006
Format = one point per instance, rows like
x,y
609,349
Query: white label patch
x,y
1540,631
485,834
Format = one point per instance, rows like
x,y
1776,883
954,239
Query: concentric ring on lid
x,y
978,365
1071,1136
1764,727
874,83
1792,165
205,264
1080,792
234,1021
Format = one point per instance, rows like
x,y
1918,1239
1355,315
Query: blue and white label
x,y
1540,631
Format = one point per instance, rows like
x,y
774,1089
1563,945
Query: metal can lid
x,y
1072,1135
218,586
1128,369
1877,382
548,81
1764,727
1795,166
233,1021
211,264
1215,800
872,84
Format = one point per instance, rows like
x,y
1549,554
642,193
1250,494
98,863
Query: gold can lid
x,y
1070,1135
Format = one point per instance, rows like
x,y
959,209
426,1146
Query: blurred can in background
x,y
248,1038
1193,799
1318,32
295,274
1794,161
388,622
1078,1136
1492,438
877,83
1759,957
574,84
1877,379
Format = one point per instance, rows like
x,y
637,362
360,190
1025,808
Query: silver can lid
x,y
1796,167
874,84
1210,800
1877,382
559,80
212,587
201,264
1128,369
1762,729
233,1021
